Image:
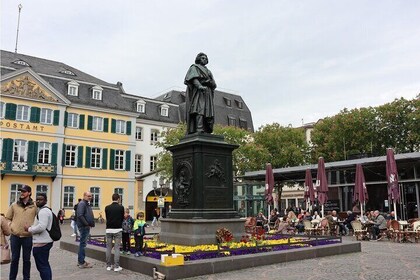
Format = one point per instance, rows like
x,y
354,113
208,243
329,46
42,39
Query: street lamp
x,y
163,191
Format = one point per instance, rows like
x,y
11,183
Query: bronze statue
x,y
199,98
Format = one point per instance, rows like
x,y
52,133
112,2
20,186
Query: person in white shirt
x,y
42,242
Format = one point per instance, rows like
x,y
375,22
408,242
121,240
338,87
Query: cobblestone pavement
x,y
378,260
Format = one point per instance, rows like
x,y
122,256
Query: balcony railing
x,y
19,166
44,168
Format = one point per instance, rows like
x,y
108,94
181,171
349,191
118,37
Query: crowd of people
x,y
292,221
29,223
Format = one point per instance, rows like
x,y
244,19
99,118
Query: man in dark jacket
x,y
114,214
85,221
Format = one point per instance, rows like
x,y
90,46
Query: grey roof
x,y
152,110
222,110
48,67
297,171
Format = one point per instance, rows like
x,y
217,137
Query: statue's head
x,y
200,56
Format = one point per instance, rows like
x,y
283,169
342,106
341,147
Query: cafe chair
x,y
309,230
396,231
251,225
358,230
324,227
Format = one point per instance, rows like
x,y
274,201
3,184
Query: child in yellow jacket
x,y
139,232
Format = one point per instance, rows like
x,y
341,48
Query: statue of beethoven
x,y
199,97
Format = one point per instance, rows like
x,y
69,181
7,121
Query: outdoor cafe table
x,y
404,225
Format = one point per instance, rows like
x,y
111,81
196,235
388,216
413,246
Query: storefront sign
x,y
26,126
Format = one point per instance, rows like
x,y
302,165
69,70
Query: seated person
x,y
347,222
273,218
316,216
390,216
284,227
379,223
261,219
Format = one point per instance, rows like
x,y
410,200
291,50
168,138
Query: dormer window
x,y
73,88
67,72
141,106
164,110
21,62
239,104
228,102
97,93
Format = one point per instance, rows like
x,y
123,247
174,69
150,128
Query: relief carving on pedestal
x,y
183,182
26,88
216,170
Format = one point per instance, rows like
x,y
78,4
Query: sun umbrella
x,y
269,185
392,178
322,184
360,191
309,188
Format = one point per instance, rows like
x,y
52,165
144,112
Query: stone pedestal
x,y
202,191
202,178
198,231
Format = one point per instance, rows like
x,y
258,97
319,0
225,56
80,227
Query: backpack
x,y
55,231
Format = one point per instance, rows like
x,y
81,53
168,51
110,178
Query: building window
x,y
137,163
228,102
120,127
154,136
141,106
71,156
164,110
95,196
2,110
97,93
73,88
95,158
22,113
20,151
153,161
44,153
68,196
73,120
239,104
119,160
21,62
231,121
41,189
97,124
139,133
46,116
14,193
120,191
243,123
67,72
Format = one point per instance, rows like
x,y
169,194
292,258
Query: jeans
x,y
16,243
41,256
84,234
126,240
116,237
375,232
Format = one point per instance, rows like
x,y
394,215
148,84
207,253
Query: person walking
x,y
5,231
127,227
139,232
21,213
155,215
42,242
85,221
114,214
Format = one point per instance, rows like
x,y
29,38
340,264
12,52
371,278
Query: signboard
x,y
161,202
332,205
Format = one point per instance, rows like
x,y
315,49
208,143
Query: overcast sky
x,y
289,60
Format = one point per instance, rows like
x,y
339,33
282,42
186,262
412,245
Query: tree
x,y
286,145
248,156
368,131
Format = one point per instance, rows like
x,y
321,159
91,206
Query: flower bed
x,y
248,245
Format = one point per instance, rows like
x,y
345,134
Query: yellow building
x,y
63,132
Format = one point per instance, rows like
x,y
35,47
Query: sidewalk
x,y
378,260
